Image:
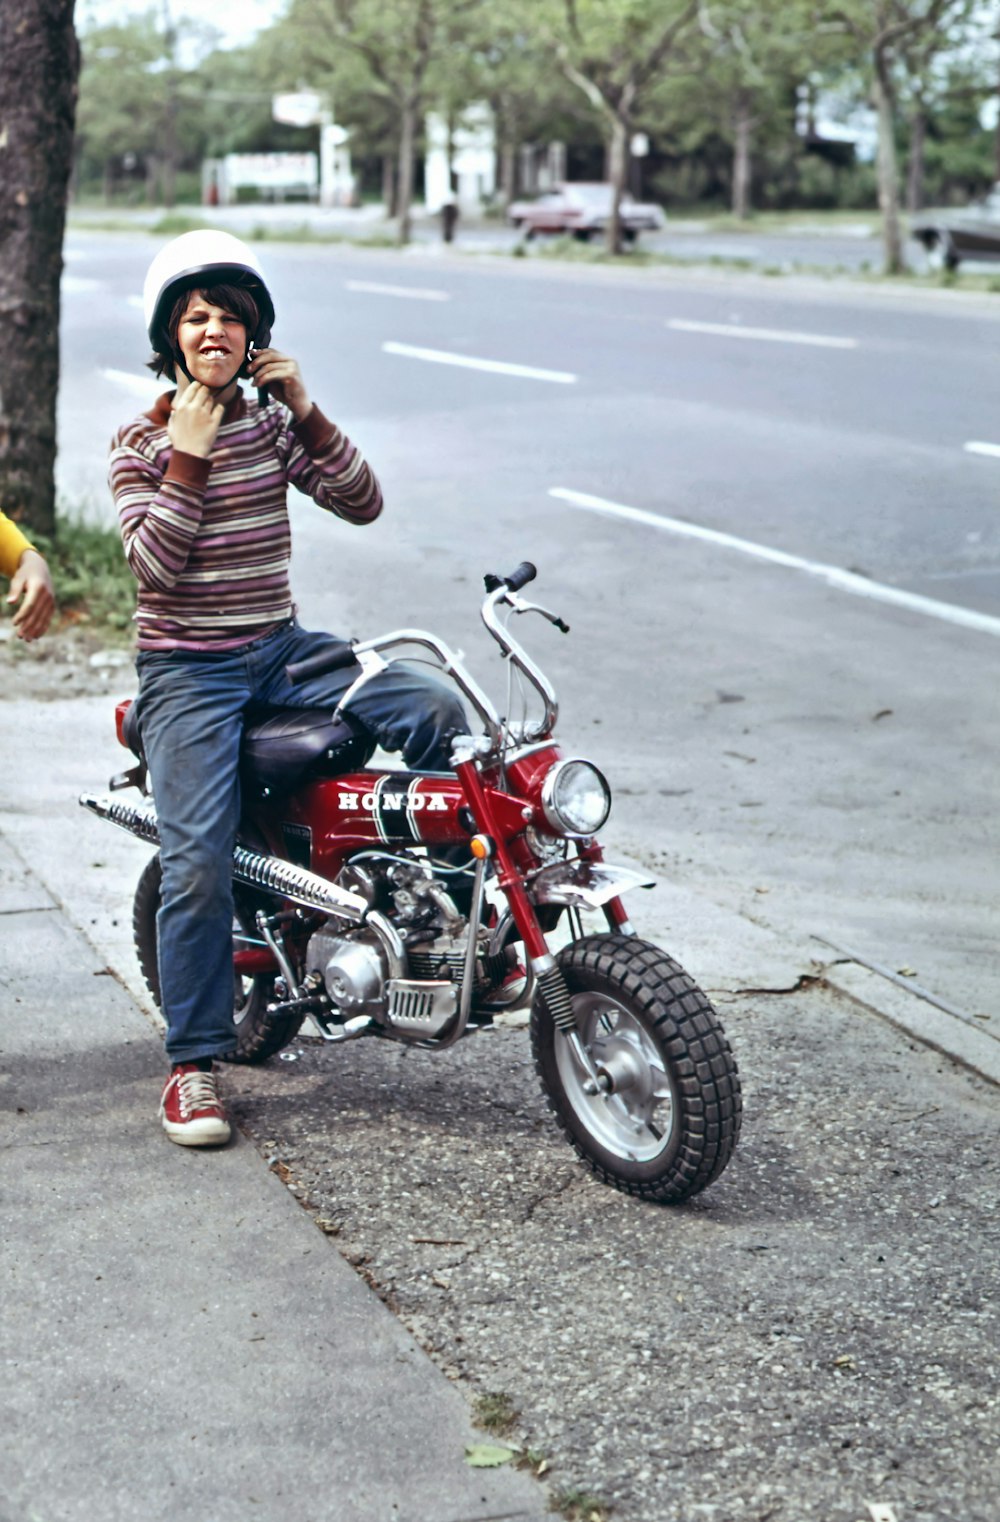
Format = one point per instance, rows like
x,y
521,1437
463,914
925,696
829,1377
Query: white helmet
x,y
193,261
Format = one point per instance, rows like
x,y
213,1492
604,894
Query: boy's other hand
x,y
31,585
282,376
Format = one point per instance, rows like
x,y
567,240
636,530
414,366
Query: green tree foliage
x,y
755,67
614,51
391,48
122,103
712,82
883,30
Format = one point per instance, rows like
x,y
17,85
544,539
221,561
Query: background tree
x,y
947,75
39,63
121,101
882,29
397,42
753,67
613,50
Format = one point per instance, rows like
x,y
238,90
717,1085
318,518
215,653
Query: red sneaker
x,y
190,1108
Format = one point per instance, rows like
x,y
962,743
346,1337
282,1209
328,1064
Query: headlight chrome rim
x,y
555,808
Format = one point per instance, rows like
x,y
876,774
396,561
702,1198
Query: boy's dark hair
x,y
234,298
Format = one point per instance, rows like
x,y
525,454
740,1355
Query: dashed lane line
x,y
763,335
413,292
467,362
833,576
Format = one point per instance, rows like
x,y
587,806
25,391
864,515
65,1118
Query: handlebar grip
x,y
517,579
324,661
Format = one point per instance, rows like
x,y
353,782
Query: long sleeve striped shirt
x,y
208,540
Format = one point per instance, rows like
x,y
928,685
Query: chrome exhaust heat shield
x,y
272,874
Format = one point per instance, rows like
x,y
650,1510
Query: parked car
x,y
951,235
583,208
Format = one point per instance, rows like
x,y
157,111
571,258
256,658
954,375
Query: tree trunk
x,y
743,127
168,163
915,164
888,173
404,176
389,184
618,176
39,64
508,171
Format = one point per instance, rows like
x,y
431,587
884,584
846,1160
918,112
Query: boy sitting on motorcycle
x,y
200,484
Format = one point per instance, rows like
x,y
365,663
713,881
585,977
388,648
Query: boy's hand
x,y
195,420
32,583
283,377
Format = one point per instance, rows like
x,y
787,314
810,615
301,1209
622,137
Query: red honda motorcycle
x,y
347,898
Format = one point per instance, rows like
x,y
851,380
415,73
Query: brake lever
x,y
520,606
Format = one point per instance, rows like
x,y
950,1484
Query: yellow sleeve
x,y
12,545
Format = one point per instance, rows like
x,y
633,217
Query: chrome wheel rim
x,y
634,1118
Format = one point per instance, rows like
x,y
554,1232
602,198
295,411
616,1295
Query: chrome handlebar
x,y
369,655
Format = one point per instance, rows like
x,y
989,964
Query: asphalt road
x,y
812,1338
820,760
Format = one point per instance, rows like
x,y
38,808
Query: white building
x,y
463,169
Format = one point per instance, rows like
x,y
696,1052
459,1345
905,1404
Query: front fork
x,y
546,969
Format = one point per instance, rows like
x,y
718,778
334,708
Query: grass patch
x,y
94,586
581,1506
495,1413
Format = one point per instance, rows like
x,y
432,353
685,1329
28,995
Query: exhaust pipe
x,y
251,867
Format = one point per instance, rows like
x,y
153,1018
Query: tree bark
x,y
743,123
39,65
888,172
404,175
915,164
618,154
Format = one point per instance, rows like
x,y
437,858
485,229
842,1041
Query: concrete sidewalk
x,y
178,1337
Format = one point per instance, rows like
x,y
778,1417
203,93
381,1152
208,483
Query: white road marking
x,y
77,285
496,366
146,386
765,335
975,447
415,292
134,301
843,581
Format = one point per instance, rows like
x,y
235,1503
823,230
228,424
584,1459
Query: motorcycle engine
x,y
353,967
352,962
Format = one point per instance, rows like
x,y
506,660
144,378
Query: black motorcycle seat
x,y
283,746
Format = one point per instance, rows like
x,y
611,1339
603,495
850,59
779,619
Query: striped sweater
x,y
209,540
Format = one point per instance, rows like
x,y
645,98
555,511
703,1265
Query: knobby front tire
x,y
671,1120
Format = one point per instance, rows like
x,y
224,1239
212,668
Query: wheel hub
x,y
630,1111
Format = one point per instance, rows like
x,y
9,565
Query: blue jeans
x,y
190,713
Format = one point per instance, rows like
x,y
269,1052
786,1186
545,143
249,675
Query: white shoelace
x,y
196,1090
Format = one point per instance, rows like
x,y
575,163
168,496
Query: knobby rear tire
x,y
670,1126
258,1034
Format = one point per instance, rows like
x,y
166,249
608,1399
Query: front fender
x,y
584,884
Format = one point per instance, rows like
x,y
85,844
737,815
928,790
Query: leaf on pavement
x,y
488,1455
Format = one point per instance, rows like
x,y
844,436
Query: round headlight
x,y
576,798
